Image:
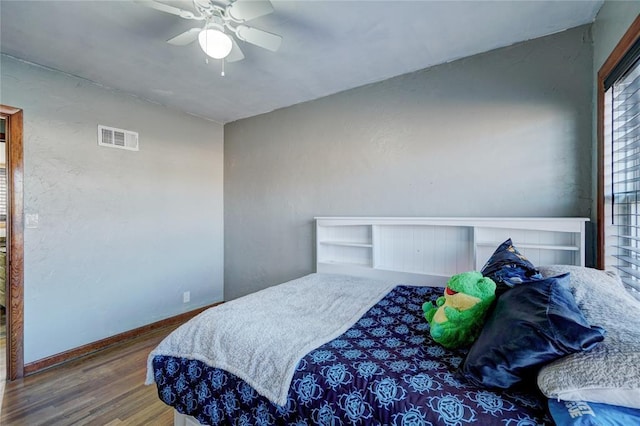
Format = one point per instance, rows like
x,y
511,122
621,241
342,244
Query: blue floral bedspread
x,y
383,370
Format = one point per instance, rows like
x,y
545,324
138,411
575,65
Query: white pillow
x,y
610,372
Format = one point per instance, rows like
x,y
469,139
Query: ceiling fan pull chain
x,y
206,40
222,66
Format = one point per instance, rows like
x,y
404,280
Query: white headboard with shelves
x,y
427,250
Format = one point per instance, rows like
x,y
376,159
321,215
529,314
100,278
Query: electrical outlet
x,y
186,297
31,220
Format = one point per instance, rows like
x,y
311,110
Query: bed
x,y
351,345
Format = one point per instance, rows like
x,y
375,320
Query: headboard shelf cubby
x,y
422,250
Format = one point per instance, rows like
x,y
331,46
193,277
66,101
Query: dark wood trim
x,y
8,110
623,46
15,241
71,354
600,157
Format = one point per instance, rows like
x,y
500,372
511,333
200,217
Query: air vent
x,y
117,138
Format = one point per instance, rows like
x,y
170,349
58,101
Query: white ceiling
x,y
328,46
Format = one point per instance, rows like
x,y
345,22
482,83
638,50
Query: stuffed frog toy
x,y
458,316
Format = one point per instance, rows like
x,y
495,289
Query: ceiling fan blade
x,y
261,38
246,10
185,38
236,53
186,14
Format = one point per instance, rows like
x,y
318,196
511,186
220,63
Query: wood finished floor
x,y
105,388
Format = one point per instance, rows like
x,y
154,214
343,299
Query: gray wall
x,y
612,21
506,133
122,234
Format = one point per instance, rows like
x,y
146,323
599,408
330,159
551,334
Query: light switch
x,y
31,220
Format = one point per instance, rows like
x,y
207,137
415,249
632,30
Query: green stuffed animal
x,y
457,319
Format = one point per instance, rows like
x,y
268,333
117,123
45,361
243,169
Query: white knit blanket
x,y
261,337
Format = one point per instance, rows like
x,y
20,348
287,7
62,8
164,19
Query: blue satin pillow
x,y
507,267
531,325
583,413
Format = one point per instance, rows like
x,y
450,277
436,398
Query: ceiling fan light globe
x,y
215,43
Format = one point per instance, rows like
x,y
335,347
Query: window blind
x,y
622,172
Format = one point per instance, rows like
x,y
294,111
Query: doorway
x,y
14,238
3,255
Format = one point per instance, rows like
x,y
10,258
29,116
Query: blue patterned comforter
x,y
383,370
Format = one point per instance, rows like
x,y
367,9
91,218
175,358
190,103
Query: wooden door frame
x,y
15,241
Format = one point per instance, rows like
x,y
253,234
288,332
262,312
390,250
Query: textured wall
x,y
122,234
612,21
506,133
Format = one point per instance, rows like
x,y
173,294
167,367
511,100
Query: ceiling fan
x,y
219,20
